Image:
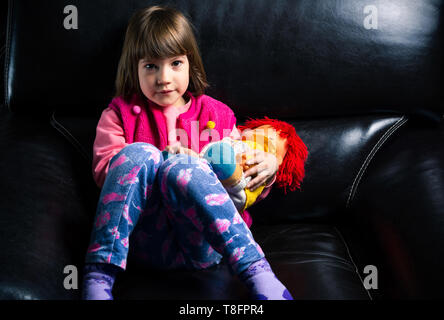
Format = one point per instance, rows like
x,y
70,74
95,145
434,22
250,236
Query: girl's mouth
x,y
165,91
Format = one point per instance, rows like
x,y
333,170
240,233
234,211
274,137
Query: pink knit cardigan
x,y
143,121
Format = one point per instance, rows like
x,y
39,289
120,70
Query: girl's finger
x,y
172,149
258,168
256,182
252,171
254,157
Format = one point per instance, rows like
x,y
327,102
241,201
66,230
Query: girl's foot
x,y
262,282
98,281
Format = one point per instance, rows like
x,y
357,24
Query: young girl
x,y
175,209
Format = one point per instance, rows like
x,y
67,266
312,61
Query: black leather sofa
x,y
367,102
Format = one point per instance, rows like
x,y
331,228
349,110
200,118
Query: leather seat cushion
x,y
313,261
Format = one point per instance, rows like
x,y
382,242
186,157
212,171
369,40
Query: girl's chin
x,y
167,102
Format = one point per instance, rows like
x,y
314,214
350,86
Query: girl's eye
x,y
177,63
150,66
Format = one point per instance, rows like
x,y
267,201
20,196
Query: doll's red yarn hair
x,y
292,171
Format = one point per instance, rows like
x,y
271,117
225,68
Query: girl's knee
x,y
174,166
138,153
181,161
139,147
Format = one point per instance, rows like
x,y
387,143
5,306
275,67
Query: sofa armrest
x,y
396,219
44,218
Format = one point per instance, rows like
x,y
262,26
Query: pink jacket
x,y
144,121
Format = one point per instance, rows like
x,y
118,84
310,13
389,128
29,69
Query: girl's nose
x,y
163,76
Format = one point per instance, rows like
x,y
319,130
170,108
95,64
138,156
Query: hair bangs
x,y
161,39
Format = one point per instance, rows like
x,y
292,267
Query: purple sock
x,y
262,282
98,281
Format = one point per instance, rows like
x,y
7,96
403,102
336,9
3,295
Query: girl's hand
x,y
265,169
177,148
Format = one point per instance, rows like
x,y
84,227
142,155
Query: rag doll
x,y
228,158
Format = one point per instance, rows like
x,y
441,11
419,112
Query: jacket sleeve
x,y
110,139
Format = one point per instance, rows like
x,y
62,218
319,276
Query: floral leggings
x,y
174,212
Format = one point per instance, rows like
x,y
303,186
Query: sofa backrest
x,y
287,58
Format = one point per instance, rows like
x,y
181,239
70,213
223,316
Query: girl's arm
x,y
110,139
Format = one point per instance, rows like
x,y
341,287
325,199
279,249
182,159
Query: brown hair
x,y
158,32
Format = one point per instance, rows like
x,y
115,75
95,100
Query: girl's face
x,y
164,81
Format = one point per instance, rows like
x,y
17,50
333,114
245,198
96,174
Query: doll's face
x,y
270,136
